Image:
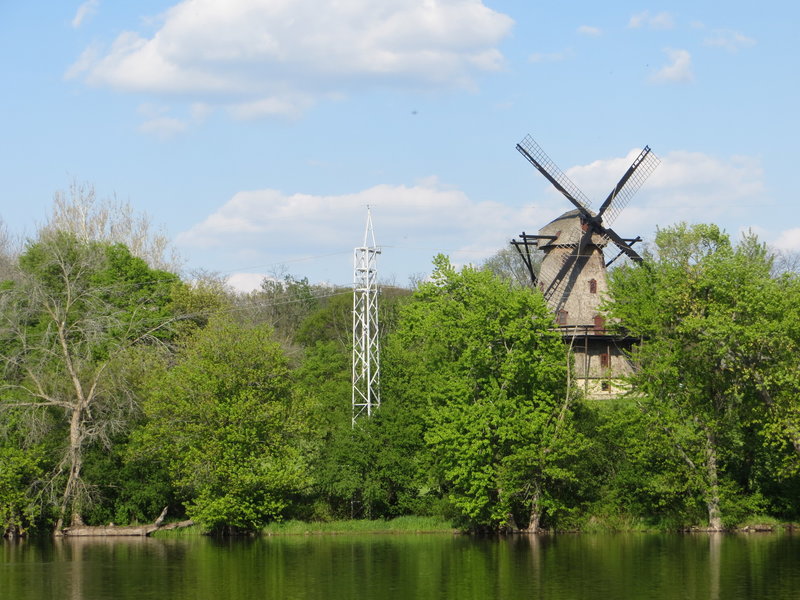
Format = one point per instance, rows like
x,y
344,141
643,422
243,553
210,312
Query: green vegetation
x,y
488,375
125,390
717,380
410,524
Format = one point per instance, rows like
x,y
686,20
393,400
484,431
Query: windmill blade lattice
x,y
548,167
565,239
642,167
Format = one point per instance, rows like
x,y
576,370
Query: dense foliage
x,y
125,390
717,365
481,361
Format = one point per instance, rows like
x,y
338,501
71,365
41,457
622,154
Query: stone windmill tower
x,y
573,270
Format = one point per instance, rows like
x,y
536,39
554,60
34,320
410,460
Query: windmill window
x,y
593,286
599,323
561,317
605,360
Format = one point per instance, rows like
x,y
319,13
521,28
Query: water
x,y
441,567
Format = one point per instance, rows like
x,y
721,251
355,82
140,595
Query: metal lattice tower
x,y
366,349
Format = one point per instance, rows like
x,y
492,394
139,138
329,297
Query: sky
x,y
257,132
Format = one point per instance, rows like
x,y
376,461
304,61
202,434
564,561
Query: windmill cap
x,y
568,231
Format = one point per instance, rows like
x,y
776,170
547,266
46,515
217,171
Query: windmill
x,y
573,270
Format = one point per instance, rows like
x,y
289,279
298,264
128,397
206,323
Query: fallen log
x,y
114,531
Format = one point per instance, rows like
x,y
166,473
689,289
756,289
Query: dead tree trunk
x,y
114,531
70,498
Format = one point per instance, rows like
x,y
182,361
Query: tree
x,y
70,325
224,422
8,253
714,365
80,213
354,469
19,469
484,360
507,264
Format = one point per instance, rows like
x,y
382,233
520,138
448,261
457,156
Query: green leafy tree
x,y
70,323
483,359
224,422
357,471
20,469
713,372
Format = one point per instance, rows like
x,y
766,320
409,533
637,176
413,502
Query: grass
x,y
183,532
398,525
617,523
761,523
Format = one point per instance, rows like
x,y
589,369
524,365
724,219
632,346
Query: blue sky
x,y
257,131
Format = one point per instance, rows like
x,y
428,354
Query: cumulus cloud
x,y
686,186
259,231
679,69
269,227
277,57
788,240
245,282
662,20
85,10
732,41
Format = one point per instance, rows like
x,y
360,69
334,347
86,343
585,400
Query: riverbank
x,y
412,524
361,526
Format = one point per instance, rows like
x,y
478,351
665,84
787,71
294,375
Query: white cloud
x,y
589,30
268,227
679,70
245,282
686,186
158,122
732,41
85,10
662,20
88,57
278,217
200,111
259,231
788,240
272,57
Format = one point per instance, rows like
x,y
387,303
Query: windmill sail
x,y
575,241
539,159
634,178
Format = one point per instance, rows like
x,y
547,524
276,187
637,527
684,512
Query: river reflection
x,y
405,566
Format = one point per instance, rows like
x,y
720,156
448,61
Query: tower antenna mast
x,y
366,348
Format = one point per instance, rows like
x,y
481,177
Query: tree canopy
x,y
483,359
125,390
70,324
718,356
